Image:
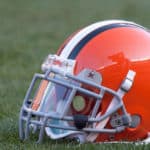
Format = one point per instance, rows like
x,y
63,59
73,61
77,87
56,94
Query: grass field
x,y
29,31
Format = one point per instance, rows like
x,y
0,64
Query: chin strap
x,y
124,88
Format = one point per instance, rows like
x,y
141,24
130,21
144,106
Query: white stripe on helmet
x,y
85,31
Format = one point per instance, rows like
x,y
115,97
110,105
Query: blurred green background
x,y
29,31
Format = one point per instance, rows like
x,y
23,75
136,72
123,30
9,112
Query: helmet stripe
x,y
72,48
75,51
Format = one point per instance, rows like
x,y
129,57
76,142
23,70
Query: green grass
x,y
29,31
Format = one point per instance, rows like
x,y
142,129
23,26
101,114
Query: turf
x,y
29,31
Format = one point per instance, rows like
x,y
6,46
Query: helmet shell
x,y
112,49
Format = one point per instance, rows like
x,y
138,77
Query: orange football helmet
x,y
96,88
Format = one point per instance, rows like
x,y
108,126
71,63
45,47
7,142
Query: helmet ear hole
x,y
82,104
78,103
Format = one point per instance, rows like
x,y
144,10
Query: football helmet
x,y
96,88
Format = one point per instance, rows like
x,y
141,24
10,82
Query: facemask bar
x,y
27,112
